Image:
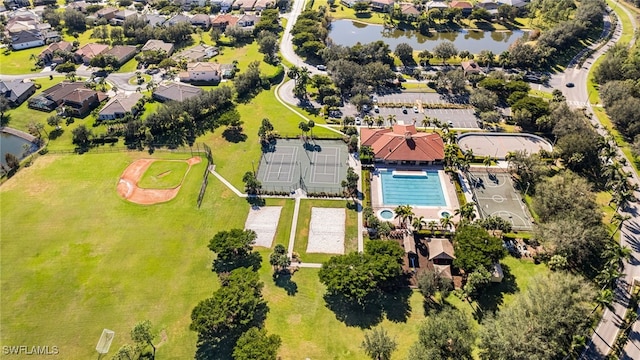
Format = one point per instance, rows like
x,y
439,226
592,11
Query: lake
x,y
348,33
14,144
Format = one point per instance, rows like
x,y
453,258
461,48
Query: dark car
x,y
570,85
404,110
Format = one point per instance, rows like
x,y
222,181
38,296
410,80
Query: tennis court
x,y
496,195
315,166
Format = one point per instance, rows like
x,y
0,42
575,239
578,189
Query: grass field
x,y
302,235
19,62
107,263
164,175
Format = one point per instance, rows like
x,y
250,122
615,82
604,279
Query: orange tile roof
x,y
403,143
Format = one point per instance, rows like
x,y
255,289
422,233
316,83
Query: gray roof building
x,y
176,92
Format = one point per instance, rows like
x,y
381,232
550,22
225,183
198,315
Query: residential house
x,y
349,3
516,3
119,106
227,71
201,20
49,54
176,19
223,21
77,100
154,19
466,7
197,53
436,5
175,92
488,5
442,255
43,2
403,144
80,6
201,72
121,16
50,36
26,39
24,22
123,53
158,45
382,5
89,51
16,4
17,91
409,11
248,20
225,5
264,4
470,67
107,13
246,5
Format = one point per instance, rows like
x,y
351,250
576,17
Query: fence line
x,y
205,179
197,148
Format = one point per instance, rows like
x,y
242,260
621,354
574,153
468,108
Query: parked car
x,y
321,67
376,108
358,120
404,110
415,109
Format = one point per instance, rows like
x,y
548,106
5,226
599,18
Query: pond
x,y
11,142
348,33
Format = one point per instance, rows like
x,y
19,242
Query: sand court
x,y
326,231
264,221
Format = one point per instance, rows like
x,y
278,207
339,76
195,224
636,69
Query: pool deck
x,y
429,212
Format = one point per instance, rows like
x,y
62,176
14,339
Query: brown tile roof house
x,y
201,20
440,249
197,53
119,106
201,72
107,13
224,20
470,67
158,45
48,54
409,10
175,92
123,53
79,5
245,5
263,4
403,144
89,51
465,6
77,99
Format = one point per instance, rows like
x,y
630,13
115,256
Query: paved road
x,y
609,326
286,46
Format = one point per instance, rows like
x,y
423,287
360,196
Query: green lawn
x,y
302,234
244,55
145,79
129,66
164,175
83,259
19,62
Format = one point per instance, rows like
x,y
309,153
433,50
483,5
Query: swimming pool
x,y
418,188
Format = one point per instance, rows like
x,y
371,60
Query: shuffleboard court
x,y
496,195
314,166
499,145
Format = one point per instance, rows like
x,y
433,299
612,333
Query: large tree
x,y
475,248
255,344
234,249
233,309
143,336
404,52
541,322
446,335
445,50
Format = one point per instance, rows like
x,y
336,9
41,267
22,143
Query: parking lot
x,y
460,118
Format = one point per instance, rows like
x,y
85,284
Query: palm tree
x,y
467,212
617,255
468,155
432,226
379,120
487,161
608,276
311,124
446,222
619,219
304,127
368,119
294,73
403,213
418,223
436,123
603,299
426,122
392,119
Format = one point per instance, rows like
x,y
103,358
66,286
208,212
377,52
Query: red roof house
x,y
403,144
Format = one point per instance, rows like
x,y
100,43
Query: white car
x,y
415,109
358,121
376,108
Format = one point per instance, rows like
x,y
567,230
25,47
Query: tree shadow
x,y
394,305
220,350
252,260
56,133
283,280
492,296
234,135
256,202
4,120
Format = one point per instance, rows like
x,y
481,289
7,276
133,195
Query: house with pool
x,y
409,171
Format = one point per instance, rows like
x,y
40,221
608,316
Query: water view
x,y
348,33
10,143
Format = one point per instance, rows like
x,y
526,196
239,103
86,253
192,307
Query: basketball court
x,y
315,166
496,195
